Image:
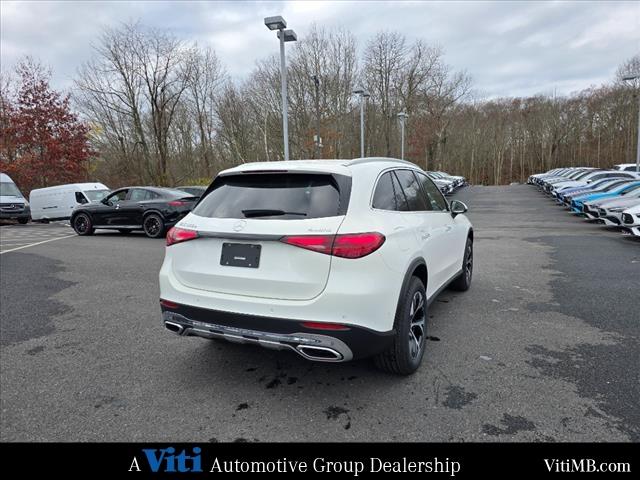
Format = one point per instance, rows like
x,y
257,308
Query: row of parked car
x,y
447,183
93,205
610,197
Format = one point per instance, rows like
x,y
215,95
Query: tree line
x,y
161,110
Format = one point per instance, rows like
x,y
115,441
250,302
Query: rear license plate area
x,y
240,255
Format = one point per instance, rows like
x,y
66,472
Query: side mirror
x,y
457,207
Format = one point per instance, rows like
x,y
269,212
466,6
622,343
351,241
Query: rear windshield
x,y
174,192
279,196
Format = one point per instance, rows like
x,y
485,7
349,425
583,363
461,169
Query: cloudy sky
x,y
509,48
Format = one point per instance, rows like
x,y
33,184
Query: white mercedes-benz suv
x,y
333,259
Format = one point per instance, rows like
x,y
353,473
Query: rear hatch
x,y
241,222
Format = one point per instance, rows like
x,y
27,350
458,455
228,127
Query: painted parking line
x,y
37,243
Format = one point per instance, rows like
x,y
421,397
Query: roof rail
x,y
358,161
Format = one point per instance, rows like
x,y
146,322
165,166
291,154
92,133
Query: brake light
x,y
317,243
177,203
350,245
324,326
168,304
178,235
357,245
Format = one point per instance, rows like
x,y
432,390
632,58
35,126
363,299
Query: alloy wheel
x,y
152,226
81,224
416,329
468,264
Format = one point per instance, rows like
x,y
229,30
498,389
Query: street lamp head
x,y
275,23
359,91
289,35
403,116
366,94
631,77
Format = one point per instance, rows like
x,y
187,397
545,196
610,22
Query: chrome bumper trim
x,y
278,341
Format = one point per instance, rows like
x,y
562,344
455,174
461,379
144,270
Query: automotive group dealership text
x,y
183,463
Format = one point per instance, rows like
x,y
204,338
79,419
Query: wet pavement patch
x,y
606,299
333,413
274,383
457,397
512,424
35,350
23,320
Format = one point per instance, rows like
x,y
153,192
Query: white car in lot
x,y
609,210
333,259
631,220
592,177
627,167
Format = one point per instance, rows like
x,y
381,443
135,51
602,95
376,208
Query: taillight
x,y
178,235
324,326
349,245
177,203
317,243
357,245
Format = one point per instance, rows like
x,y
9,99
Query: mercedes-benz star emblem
x,y
239,225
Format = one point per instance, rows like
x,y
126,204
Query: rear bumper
x,y
277,333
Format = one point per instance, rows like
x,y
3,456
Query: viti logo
x,y
166,460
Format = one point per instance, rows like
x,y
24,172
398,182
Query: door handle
x,y
117,206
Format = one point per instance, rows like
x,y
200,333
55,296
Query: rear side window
x,y
412,192
384,197
139,195
279,196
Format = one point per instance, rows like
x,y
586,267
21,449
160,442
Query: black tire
x,y
23,221
153,225
124,230
463,282
405,355
82,224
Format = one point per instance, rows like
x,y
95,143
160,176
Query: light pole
x,y
629,78
402,116
318,140
278,23
362,93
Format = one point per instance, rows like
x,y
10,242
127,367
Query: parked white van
x,y
57,203
13,205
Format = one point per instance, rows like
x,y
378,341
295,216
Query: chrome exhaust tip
x,y
321,354
174,327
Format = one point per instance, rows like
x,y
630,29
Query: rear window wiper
x,y
268,212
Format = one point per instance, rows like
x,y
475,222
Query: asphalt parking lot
x,y
17,237
544,347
